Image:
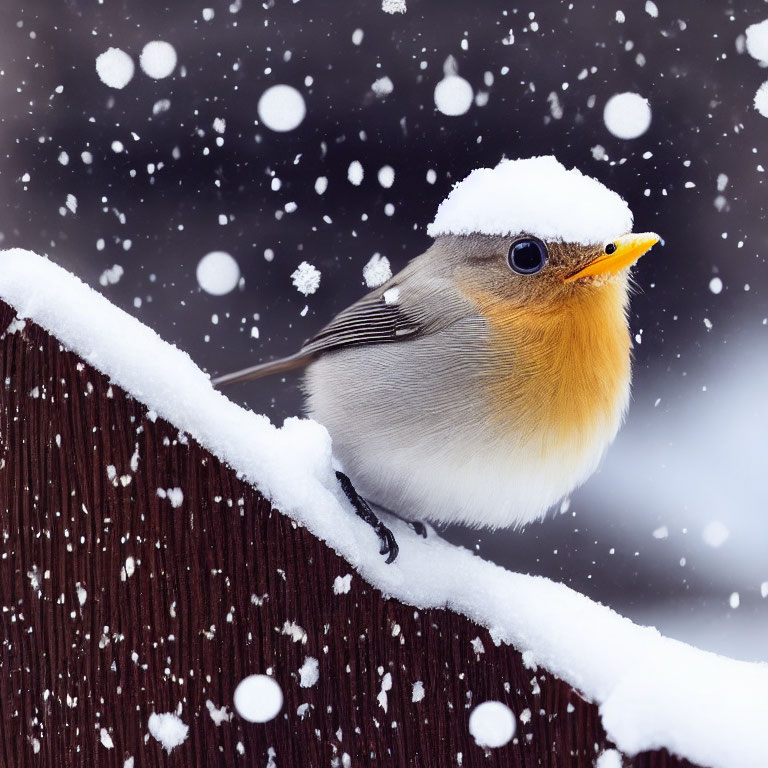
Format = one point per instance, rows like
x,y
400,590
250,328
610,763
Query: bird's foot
x,y
388,544
419,528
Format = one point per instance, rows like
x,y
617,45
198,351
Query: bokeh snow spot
x,y
453,96
492,724
258,698
115,68
715,534
158,59
627,115
281,108
112,275
321,184
218,273
383,86
355,173
757,41
386,176
761,99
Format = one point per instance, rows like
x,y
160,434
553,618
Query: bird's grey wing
x,y
372,320
421,299
414,302
375,319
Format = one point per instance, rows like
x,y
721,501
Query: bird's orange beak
x,y
626,251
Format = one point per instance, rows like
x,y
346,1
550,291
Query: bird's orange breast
x,y
559,373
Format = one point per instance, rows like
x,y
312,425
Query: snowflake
x,y
306,278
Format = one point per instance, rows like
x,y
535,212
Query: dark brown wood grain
x,y
215,581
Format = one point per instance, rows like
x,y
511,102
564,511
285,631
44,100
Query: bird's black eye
x,y
527,256
610,248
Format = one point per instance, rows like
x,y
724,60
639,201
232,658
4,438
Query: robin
x,y
482,383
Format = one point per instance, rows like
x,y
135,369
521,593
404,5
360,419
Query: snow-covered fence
x,y
142,578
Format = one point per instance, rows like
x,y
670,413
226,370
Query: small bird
x,y
482,383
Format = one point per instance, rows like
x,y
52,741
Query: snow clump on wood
x,y
168,729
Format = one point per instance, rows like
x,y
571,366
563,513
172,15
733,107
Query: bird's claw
x,y
419,529
388,543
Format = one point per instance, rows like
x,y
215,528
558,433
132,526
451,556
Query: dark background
x,y
697,455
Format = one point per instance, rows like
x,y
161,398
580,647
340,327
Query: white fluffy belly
x,y
489,486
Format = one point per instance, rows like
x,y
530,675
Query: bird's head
x,y
529,270
529,232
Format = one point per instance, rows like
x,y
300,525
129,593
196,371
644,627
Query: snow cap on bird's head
x,y
536,196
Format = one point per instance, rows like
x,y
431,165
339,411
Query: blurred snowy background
x,y
130,187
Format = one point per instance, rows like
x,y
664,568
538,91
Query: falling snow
x,y
757,41
393,6
115,68
386,176
383,86
258,698
112,275
761,99
158,59
281,108
377,271
715,534
217,273
627,115
355,173
492,724
306,278
453,96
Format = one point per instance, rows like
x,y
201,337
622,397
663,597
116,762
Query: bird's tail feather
x,y
291,363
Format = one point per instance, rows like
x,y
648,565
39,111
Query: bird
x,y
482,383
